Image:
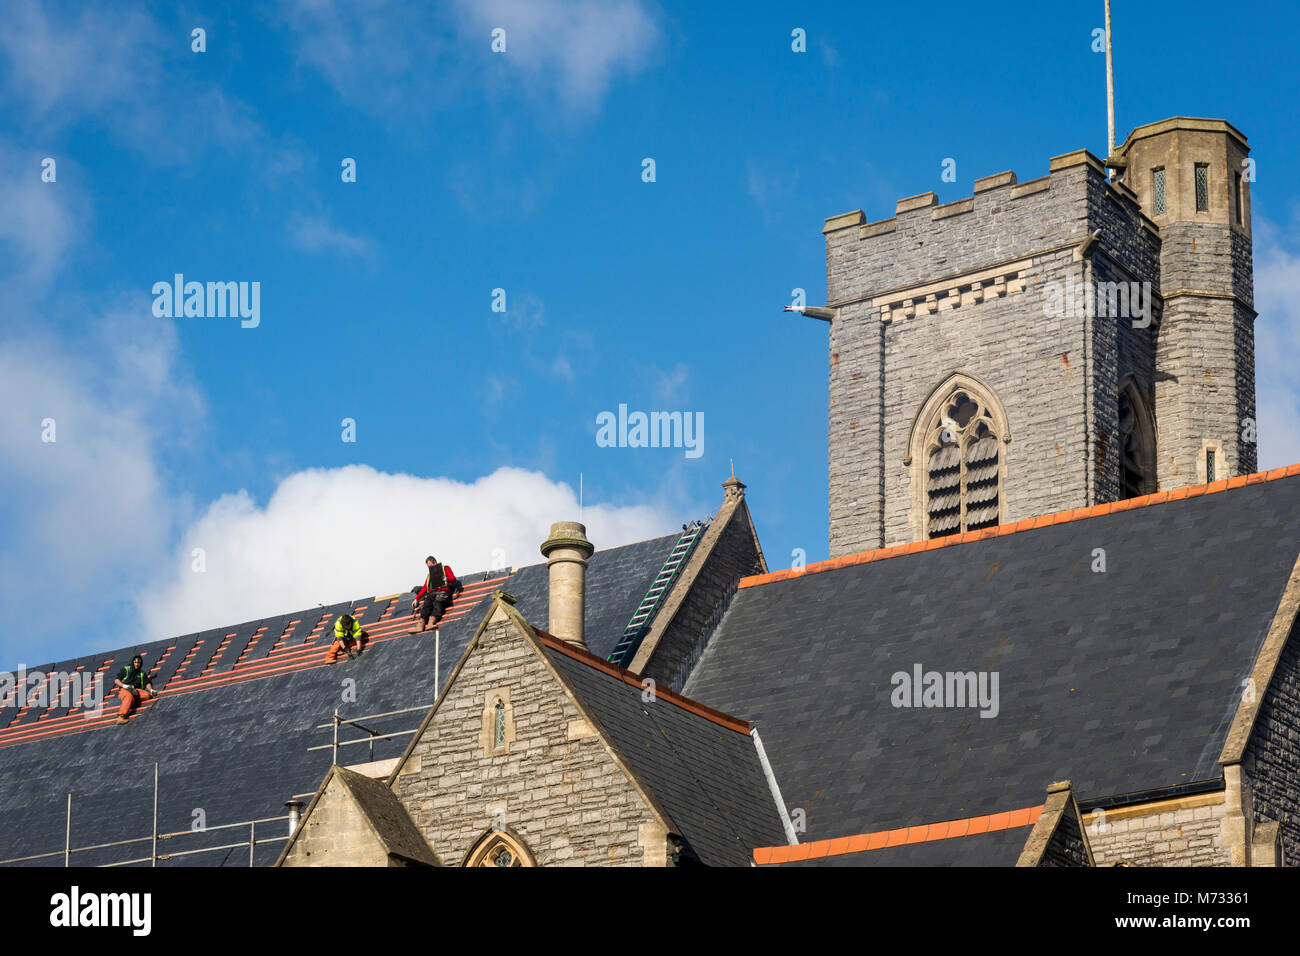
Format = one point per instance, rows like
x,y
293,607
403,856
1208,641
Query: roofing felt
x,y
233,747
1122,681
702,769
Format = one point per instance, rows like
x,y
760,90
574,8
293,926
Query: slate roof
x,y
1122,682
991,840
999,848
702,769
232,743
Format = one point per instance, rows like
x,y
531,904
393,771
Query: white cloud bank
x,y
329,535
88,514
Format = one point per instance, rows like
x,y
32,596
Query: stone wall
x,y
1272,757
1055,370
555,786
1186,835
1066,847
336,834
916,300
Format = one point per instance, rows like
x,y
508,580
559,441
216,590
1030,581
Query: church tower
x,y
1192,177
1044,345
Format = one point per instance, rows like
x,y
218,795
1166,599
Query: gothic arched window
x,y
499,848
1136,444
497,732
956,449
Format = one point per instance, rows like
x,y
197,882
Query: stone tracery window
x,y
500,855
956,447
498,848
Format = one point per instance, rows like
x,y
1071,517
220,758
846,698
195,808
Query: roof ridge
x,y
1028,524
880,839
635,680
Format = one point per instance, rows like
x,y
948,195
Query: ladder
x,y
637,627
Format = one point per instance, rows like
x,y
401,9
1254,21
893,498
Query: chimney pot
x,y
295,814
567,550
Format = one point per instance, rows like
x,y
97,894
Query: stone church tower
x,y
1045,345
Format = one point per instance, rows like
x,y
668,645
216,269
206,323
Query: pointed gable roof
x,y
382,812
696,768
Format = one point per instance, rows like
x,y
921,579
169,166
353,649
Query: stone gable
x,y
554,785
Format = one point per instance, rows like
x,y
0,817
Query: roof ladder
x,y
640,623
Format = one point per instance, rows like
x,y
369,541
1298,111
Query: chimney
x,y
295,814
567,551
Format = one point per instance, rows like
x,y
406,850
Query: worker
x,y
431,599
347,635
133,688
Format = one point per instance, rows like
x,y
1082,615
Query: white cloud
x,y
576,47
110,66
40,220
316,234
561,369
87,62
1277,343
392,56
88,515
671,388
334,535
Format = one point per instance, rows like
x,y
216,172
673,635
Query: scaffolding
x,y
155,837
337,722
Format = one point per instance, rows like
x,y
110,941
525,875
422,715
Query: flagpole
x,y
1110,91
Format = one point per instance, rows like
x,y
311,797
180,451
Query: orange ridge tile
x,y
1025,524
924,833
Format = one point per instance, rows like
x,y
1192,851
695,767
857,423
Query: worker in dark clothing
x,y
133,688
347,635
439,588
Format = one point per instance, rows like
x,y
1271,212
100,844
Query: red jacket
x,y
451,582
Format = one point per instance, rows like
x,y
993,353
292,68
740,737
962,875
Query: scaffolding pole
x,y
67,835
153,861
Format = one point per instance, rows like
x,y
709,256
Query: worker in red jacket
x,y
432,598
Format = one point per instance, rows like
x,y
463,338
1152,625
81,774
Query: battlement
x,y
1003,222
930,201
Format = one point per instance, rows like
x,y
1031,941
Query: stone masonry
x,y
972,288
555,786
1182,833
1271,756
336,834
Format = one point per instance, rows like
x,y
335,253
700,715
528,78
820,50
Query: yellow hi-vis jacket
x,y
342,633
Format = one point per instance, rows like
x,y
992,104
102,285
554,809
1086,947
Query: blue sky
x,y
478,171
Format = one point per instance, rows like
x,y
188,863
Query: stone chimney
x,y
567,551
